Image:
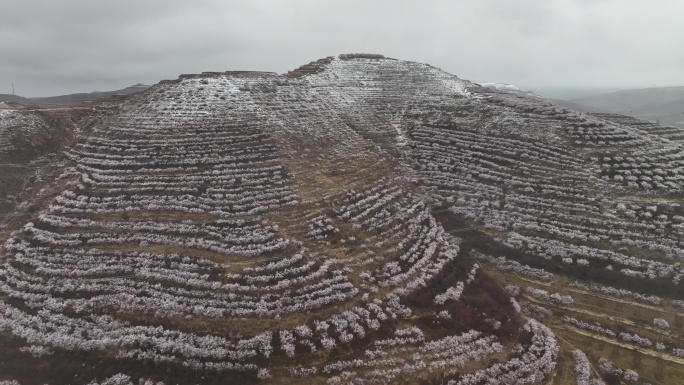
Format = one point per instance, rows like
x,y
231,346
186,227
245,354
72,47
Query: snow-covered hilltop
x,y
358,220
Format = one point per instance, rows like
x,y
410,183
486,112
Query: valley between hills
x,y
358,220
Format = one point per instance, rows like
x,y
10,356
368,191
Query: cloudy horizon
x,y
52,48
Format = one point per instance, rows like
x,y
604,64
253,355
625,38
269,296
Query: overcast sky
x,y
54,47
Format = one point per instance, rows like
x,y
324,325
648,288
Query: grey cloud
x,y
50,47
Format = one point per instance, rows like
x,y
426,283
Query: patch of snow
x,y
501,86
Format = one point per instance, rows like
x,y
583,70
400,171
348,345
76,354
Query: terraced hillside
x,y
357,220
31,143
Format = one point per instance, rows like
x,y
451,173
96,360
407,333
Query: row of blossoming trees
x,y
184,245
590,197
260,226
560,217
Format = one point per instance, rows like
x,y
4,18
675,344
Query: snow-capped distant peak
x,y
501,86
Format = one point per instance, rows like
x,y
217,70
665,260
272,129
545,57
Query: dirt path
x,y
574,347
662,355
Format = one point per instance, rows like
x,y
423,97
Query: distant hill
x,y
70,100
568,93
16,99
664,104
